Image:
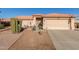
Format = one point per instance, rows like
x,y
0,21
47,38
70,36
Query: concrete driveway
x,y
65,39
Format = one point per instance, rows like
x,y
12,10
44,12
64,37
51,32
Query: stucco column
x,y
34,21
35,24
44,24
72,23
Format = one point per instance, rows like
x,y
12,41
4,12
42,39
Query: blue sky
x,y
13,12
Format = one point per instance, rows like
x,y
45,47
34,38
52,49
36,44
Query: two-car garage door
x,y
57,24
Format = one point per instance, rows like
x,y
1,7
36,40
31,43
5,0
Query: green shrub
x,y
40,26
34,28
1,26
76,25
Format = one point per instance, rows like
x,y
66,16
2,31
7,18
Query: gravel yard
x,y
33,41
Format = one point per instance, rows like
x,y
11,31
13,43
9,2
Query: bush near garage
x,y
1,26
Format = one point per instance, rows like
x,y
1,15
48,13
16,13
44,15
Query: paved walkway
x,y
33,41
7,38
65,39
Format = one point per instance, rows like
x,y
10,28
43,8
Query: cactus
x,y
13,22
19,26
15,25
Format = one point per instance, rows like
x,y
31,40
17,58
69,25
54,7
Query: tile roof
x,y
5,20
38,15
58,15
25,17
54,15
44,15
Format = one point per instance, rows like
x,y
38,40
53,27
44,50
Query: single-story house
x,y
5,21
49,21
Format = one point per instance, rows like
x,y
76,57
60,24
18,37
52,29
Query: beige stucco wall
x,y
73,23
27,23
34,20
56,23
52,23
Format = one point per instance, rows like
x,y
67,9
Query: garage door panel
x,y
57,24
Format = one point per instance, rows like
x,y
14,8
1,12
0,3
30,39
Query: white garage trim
x,y
56,24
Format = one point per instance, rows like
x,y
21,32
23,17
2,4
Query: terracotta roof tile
x,y
54,15
44,15
25,17
5,20
58,15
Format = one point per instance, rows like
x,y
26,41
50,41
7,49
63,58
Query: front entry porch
x,y
39,23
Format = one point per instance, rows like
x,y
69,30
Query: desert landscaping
x,y
26,40
31,40
39,32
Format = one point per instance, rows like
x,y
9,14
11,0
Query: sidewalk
x,y
5,29
7,38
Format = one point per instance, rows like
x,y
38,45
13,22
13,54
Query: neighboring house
x,y
5,20
49,21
